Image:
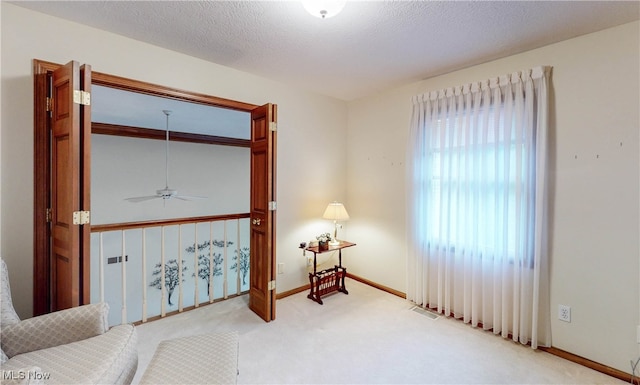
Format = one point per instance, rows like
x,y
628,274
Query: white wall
x,y
595,164
311,149
123,167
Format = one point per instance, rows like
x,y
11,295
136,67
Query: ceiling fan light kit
x,y
166,193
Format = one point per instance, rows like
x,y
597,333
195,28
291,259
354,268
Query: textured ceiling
x,y
370,46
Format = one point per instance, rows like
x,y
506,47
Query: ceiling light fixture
x,y
323,9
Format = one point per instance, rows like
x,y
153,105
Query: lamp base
x,y
334,242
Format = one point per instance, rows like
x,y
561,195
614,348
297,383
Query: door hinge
x,y
49,104
81,217
273,126
48,215
272,285
273,206
81,97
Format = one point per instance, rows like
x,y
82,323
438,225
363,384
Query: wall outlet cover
x,y
564,313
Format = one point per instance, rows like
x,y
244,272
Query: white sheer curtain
x,y
477,204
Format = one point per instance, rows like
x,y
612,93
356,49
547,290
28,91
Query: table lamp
x,y
336,212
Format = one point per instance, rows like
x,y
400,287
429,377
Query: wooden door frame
x,y
41,247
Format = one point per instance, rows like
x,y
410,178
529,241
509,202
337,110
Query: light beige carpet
x,y
366,337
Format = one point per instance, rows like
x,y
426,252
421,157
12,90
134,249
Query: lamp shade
x,y
336,211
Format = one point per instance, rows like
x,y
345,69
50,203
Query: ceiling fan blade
x,y
188,197
142,199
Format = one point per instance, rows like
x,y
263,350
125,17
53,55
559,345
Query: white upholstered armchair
x,y
73,346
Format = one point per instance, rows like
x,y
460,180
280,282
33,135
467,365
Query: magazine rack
x,y
328,280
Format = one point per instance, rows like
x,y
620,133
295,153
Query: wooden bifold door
x,y
262,228
70,185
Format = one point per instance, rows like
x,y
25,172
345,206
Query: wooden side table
x,y
328,280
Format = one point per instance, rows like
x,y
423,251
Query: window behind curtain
x,y
468,185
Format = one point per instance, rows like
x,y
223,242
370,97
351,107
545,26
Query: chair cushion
x,y
8,315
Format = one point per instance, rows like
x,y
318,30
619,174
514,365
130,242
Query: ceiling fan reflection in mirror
x,y
166,193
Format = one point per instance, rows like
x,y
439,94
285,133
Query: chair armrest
x,y
53,329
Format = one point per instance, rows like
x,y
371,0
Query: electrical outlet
x,y
280,268
309,261
564,313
